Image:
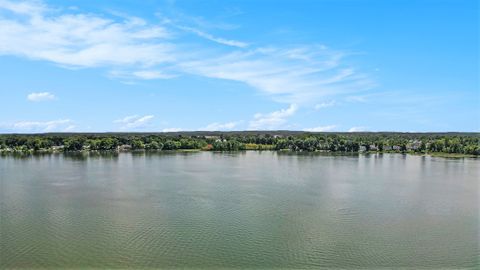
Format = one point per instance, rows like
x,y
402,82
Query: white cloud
x,y
272,120
40,96
220,126
228,42
361,99
134,122
172,129
80,39
141,50
325,105
321,128
23,7
357,129
152,74
291,75
40,126
70,128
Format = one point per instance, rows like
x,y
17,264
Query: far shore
x,y
450,145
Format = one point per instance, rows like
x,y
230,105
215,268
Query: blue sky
x,y
94,66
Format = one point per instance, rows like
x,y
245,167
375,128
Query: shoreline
x,y
51,151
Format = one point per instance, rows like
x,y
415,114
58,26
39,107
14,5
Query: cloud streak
x,y
60,125
223,41
357,129
321,128
289,75
40,96
172,129
325,105
220,126
133,122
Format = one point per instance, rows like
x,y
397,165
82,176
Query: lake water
x,y
238,210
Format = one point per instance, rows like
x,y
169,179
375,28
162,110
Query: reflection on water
x,y
238,210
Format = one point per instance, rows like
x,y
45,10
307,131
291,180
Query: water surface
x,y
238,210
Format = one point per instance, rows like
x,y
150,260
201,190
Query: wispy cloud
x,y
220,126
325,105
152,74
129,76
80,39
273,120
40,96
70,128
133,122
228,42
321,128
172,129
357,129
39,126
361,99
289,74
23,7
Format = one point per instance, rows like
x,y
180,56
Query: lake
x,y
238,210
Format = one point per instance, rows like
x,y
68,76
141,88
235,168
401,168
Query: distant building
x,y
387,148
373,147
362,148
57,147
124,147
414,145
396,148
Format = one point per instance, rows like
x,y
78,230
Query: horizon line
x,y
237,131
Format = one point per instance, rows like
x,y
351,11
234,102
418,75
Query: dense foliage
x,y
461,143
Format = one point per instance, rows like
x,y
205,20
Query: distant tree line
x,y
460,143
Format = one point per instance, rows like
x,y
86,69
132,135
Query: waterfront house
x,y
124,147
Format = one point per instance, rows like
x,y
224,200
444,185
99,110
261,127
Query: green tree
x,y
137,144
73,144
154,145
